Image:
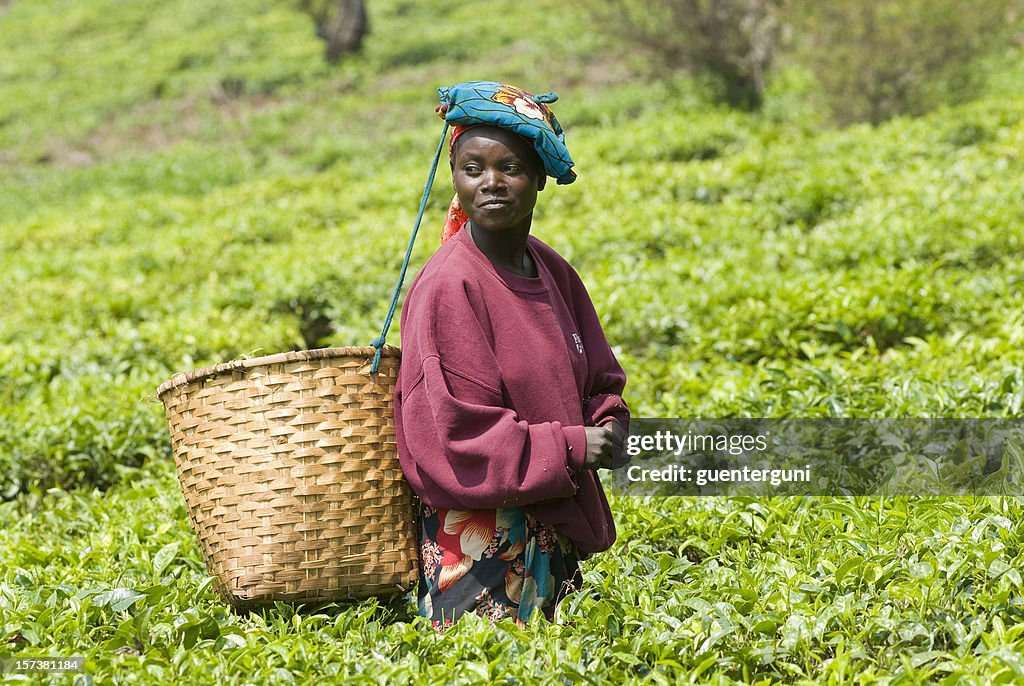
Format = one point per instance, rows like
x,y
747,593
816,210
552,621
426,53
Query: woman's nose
x,y
492,180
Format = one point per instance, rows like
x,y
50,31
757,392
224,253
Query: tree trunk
x,y
343,29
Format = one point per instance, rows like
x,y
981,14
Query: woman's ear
x,y
542,181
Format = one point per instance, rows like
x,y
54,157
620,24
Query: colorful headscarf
x,y
475,103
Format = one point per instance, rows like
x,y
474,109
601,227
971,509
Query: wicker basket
x,y
291,476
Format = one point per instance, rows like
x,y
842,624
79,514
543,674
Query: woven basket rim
x,y
185,378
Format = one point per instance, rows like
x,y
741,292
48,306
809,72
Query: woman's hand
x,y
605,446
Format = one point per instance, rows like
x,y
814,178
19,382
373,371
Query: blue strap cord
x,y
379,341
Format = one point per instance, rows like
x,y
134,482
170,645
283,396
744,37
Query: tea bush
x,y
877,59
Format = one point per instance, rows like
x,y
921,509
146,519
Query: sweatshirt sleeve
x,y
477,451
602,400
461,444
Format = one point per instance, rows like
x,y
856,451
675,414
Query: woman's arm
x,y
466,450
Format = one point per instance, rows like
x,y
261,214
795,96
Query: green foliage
x,y
732,42
705,590
227,195
876,59
872,60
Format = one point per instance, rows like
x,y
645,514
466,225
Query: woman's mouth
x,y
493,204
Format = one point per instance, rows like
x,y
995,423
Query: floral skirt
x,y
497,563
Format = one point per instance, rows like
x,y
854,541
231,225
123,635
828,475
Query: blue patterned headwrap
x,y
512,108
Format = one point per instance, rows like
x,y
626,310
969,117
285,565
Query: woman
x,y
509,397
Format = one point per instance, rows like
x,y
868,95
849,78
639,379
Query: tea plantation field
x,y
184,183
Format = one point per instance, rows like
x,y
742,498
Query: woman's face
x,y
497,176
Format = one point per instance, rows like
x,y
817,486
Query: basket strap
x,y
378,342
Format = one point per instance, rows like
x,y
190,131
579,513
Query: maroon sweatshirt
x,y
499,375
